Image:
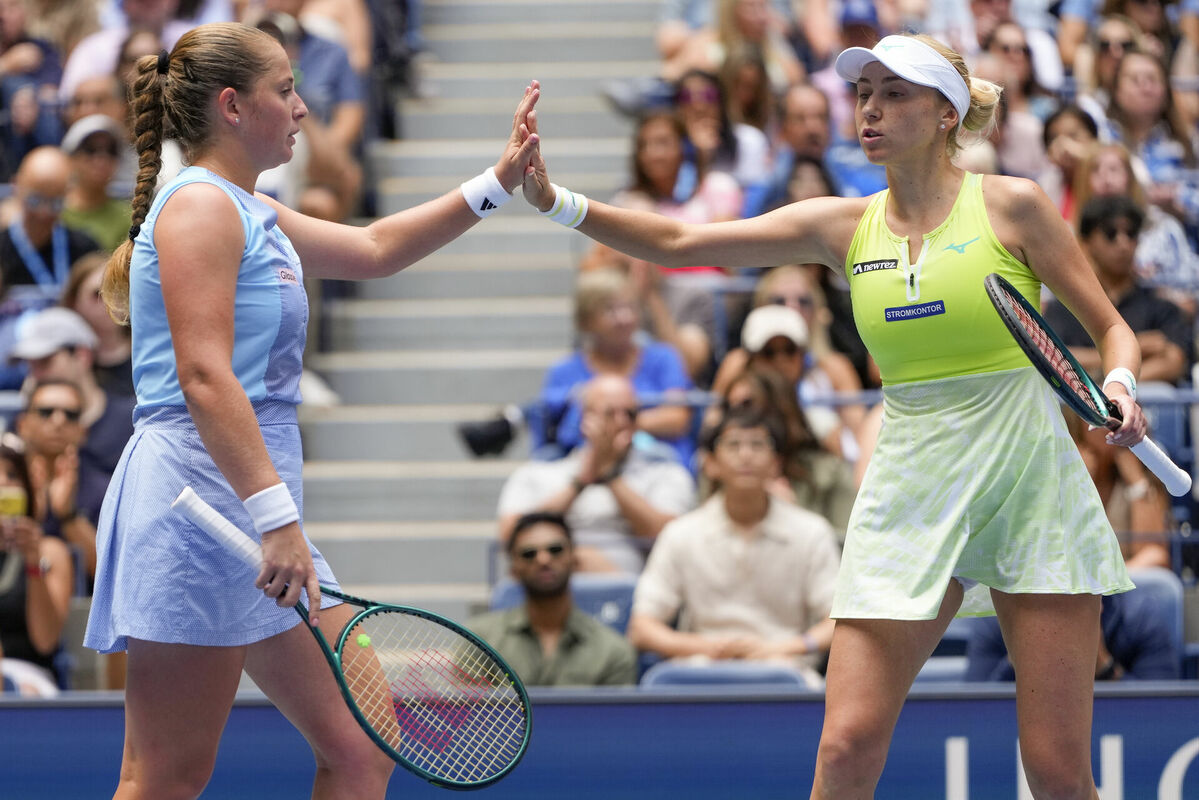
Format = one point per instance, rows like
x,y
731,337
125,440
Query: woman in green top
x,y
976,500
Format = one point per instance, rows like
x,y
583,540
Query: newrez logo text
x,y
872,266
900,313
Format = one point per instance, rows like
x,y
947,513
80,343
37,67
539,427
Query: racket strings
x,y
438,700
1060,363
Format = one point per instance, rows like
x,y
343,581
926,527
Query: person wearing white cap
x,y
976,500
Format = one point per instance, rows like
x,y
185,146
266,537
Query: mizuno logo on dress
x,y
961,248
487,205
871,266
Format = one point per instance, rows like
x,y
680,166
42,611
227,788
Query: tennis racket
x,y
1053,360
431,694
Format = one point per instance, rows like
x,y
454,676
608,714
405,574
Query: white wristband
x,y
1124,377
484,193
272,508
569,208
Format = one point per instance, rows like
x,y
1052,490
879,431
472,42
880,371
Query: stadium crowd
x,y
726,417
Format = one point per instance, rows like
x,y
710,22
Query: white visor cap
x,y
912,60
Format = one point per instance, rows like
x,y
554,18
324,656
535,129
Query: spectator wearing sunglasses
x,y
94,144
37,248
616,495
73,453
1109,228
548,640
52,430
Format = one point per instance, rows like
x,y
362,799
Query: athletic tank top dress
x,y
974,476
158,577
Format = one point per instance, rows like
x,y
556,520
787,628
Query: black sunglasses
x,y
530,553
1111,231
46,412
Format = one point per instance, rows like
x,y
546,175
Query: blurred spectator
x,y
776,337
745,576
749,99
99,53
113,363
1097,60
968,33
1069,136
803,132
345,22
101,94
51,427
30,69
615,495
36,579
59,345
94,144
714,142
1026,104
139,42
807,24
606,324
63,22
737,23
37,248
329,175
1134,644
1142,117
1108,231
1164,257
812,477
549,641
680,310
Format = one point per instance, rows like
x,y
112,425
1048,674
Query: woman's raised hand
x,y
538,191
522,144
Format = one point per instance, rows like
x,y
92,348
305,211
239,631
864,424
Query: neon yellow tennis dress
x,y
974,475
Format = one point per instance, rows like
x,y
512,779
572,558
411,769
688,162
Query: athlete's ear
x,y
949,118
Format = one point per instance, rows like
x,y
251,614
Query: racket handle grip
x,y
189,505
1176,479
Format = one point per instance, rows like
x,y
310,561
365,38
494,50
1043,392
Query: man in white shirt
x,y
615,496
745,576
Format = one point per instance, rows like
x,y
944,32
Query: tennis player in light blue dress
x,y
950,509
211,282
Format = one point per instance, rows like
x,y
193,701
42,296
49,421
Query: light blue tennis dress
x,y
159,578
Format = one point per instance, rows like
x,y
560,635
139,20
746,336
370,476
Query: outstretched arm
x,y
814,231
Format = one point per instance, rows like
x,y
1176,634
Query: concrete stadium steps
x,y
437,376
410,491
480,275
552,41
456,117
476,11
558,80
400,552
488,323
396,432
460,159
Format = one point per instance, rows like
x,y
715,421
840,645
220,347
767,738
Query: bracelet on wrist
x,y
272,508
484,193
38,569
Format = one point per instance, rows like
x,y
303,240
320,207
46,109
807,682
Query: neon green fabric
x,y
932,319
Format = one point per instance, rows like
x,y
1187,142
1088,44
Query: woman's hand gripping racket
x,y
434,696
1053,360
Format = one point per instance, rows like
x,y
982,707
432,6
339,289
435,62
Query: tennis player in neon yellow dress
x,y
976,500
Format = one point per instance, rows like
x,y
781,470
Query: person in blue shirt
x,y
211,281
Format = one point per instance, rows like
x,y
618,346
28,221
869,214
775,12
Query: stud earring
x,y
942,126
237,121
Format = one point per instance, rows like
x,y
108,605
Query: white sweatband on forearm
x,y
272,508
1124,377
569,208
484,193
